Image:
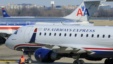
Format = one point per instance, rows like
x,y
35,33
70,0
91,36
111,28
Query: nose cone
x,y
9,43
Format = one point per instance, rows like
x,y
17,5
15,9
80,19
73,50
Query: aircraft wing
x,y
77,48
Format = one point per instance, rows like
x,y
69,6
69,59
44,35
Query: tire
x,y
28,61
78,62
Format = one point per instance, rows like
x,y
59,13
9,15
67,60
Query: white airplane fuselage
x,y
84,37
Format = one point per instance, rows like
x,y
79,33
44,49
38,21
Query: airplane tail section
x,y
4,13
85,10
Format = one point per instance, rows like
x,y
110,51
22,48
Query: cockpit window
x,y
16,32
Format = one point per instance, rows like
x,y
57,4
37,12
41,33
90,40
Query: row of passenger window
x,y
81,35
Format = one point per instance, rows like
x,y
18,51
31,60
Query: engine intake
x,y
45,55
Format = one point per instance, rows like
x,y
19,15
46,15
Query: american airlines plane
x,y
82,14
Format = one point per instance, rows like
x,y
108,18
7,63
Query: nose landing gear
x,y
77,61
29,60
28,53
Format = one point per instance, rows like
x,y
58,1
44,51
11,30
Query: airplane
x,y
52,42
81,14
6,15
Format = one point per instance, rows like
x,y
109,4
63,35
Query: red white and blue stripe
x,y
32,40
101,51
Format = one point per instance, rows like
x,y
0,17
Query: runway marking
x,y
8,60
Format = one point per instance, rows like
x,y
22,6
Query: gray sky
x,y
44,2
41,2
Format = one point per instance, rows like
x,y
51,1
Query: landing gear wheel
x,y
78,62
29,61
108,61
81,61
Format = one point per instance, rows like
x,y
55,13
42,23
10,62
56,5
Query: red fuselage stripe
x,y
99,48
6,28
25,45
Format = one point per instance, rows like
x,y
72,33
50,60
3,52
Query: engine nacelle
x,y
45,55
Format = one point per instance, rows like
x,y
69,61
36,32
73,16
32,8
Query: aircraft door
x,y
28,34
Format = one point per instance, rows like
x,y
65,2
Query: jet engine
x,y
45,55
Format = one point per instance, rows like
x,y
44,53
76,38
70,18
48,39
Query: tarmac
x,y
8,56
102,22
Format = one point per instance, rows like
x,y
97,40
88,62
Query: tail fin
x,y
4,13
85,10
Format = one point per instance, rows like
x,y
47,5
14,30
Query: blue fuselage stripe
x,y
32,40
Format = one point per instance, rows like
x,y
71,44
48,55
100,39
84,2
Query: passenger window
x,y
54,34
49,34
16,32
92,35
86,35
103,36
70,34
59,34
40,33
45,34
109,36
65,34
75,35
81,35
98,36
